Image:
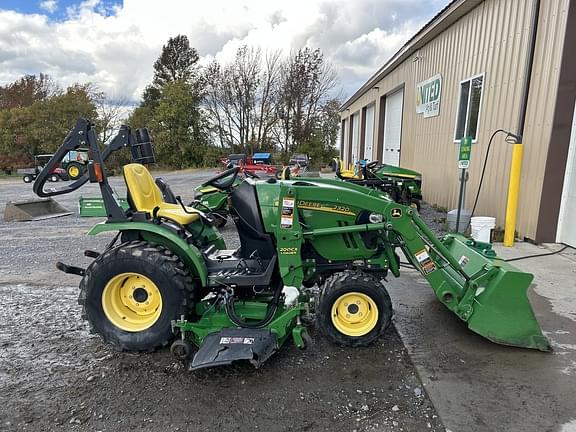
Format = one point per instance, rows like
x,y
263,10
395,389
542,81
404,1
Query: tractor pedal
x,y
70,269
91,254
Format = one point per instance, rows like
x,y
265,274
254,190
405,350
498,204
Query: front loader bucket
x,y
34,209
494,301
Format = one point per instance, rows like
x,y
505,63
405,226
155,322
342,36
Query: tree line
x,y
36,115
258,101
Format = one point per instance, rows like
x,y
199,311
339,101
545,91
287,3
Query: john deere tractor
x,y
167,277
402,185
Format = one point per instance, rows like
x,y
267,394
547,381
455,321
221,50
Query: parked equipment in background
x,y
403,185
75,163
262,158
33,209
30,174
409,182
258,163
169,277
235,159
300,159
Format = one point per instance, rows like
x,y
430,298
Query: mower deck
x,y
221,342
234,344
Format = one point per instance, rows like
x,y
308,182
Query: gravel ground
x,y
54,375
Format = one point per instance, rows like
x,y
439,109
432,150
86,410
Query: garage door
x,y
355,147
566,225
369,133
393,128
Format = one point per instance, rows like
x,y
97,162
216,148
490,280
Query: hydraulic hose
x,y
272,308
509,136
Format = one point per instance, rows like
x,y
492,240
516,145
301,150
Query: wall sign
x,y
428,96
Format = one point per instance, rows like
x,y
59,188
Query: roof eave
x,y
446,17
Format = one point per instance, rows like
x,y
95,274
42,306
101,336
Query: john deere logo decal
x,y
396,213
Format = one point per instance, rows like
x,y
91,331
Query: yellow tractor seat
x,y
347,174
145,196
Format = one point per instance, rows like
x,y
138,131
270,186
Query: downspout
x,y
517,149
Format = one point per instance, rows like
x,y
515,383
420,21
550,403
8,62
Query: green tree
x,y
170,107
53,118
178,61
179,127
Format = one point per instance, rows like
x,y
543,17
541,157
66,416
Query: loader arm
x,y
466,276
470,280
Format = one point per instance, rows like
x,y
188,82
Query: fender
x,y
163,236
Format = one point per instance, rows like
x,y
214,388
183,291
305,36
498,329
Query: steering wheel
x,y
224,180
372,165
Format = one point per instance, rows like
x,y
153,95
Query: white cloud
x,y
116,48
49,6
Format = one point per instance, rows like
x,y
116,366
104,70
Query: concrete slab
x,y
480,386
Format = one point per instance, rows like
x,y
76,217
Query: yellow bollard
x,y
513,192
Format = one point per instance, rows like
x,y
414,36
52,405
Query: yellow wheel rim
x,y
354,314
132,302
73,171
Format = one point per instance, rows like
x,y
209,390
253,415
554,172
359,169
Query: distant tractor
x,y
30,174
74,163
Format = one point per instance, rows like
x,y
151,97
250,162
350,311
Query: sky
x,y
114,44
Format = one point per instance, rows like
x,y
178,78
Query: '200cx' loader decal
x,y
311,205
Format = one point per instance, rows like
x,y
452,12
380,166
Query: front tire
x,y
131,293
27,179
354,309
74,170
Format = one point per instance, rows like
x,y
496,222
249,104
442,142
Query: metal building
x,y
476,67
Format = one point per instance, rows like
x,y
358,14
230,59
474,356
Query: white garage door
x,y
369,133
566,225
355,147
393,128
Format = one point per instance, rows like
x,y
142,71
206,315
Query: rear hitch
x,y
70,269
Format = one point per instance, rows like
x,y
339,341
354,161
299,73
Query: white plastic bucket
x,y
481,227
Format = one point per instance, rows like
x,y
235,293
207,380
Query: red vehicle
x,y
30,174
259,162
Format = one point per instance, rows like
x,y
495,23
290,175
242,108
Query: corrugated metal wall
x,y
492,39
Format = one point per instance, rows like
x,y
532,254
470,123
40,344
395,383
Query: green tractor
x,y
167,277
402,185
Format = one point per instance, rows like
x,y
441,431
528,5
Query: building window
x,y
469,103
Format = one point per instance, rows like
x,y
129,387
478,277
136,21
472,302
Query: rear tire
x,y
131,293
53,178
354,309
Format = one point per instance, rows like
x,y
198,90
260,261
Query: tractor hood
x,y
390,170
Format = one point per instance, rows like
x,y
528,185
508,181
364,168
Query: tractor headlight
x,y
418,178
375,218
